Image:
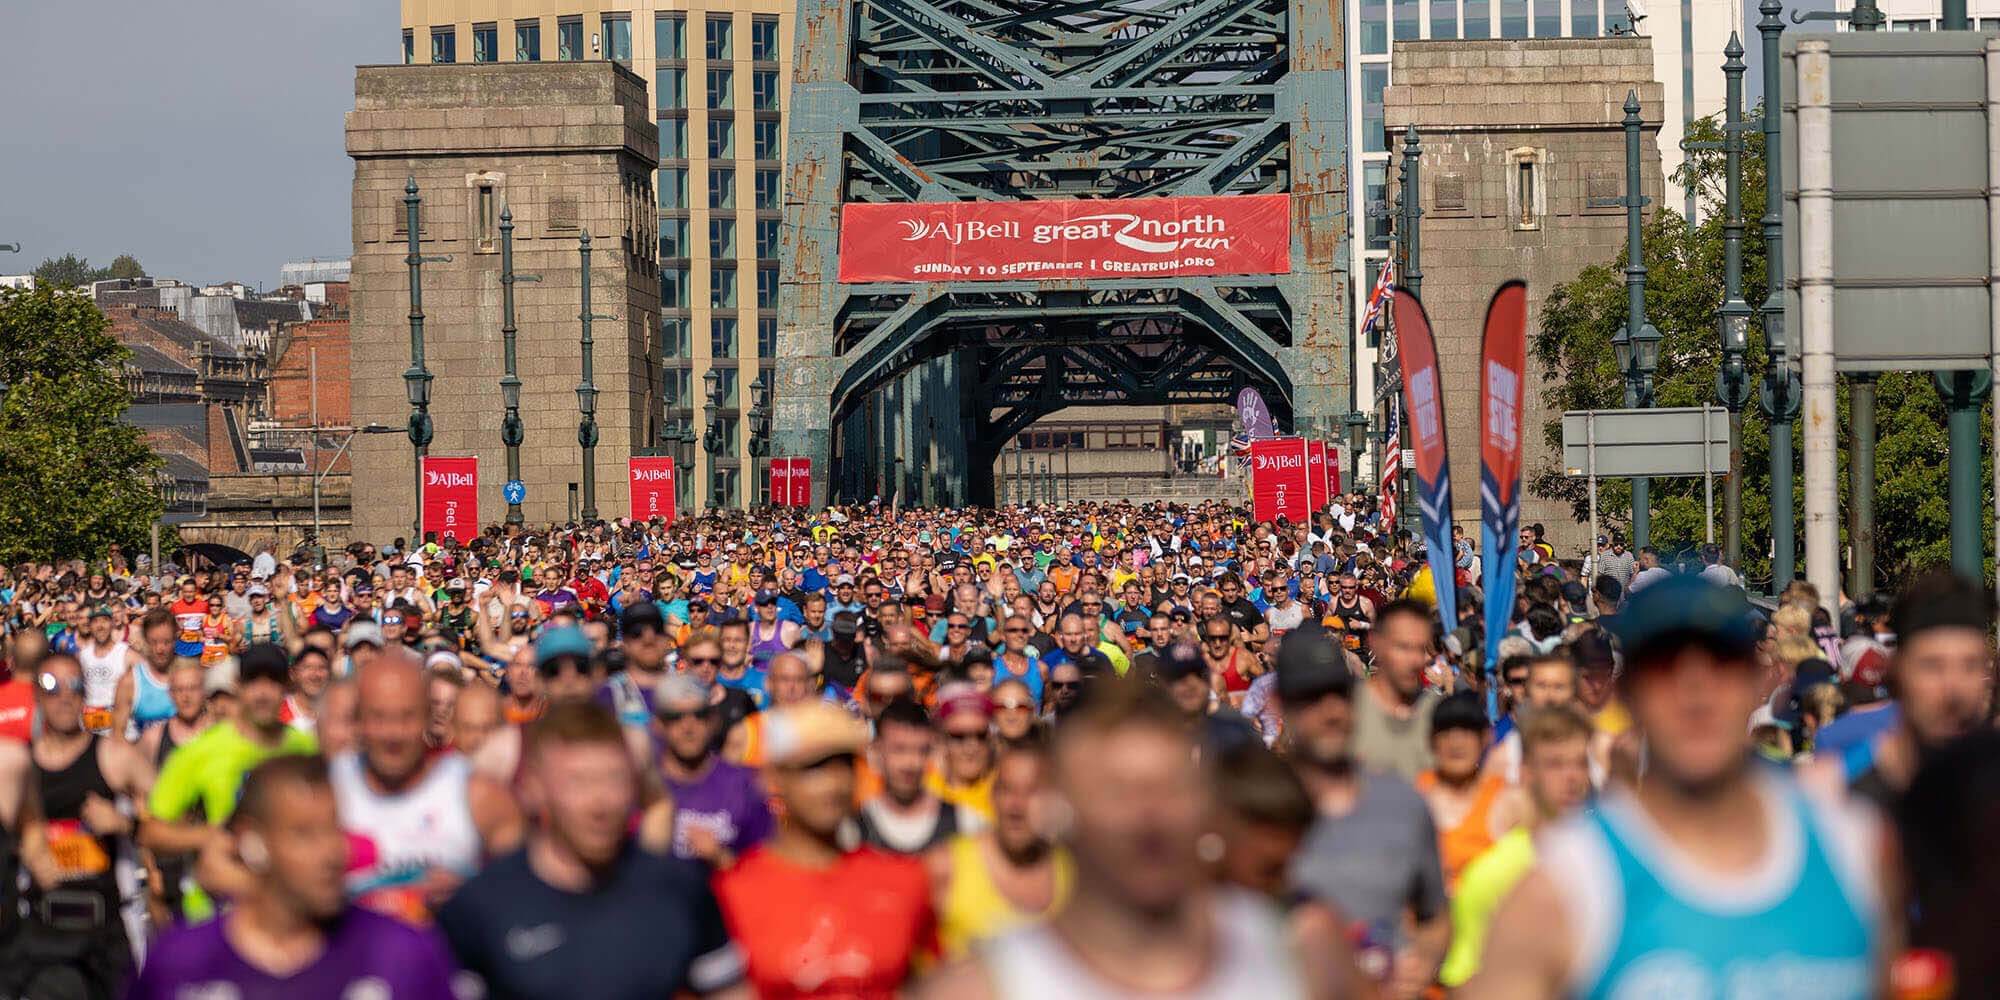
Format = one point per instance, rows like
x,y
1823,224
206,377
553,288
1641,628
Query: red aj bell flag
x,y
451,497
791,482
1316,473
1043,240
652,488
802,482
1279,483
1334,461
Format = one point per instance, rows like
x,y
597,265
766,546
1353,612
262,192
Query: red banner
x,y
1316,473
1058,239
451,497
1335,461
1280,485
653,492
791,482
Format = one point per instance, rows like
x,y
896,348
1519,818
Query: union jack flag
x,y
1392,469
1385,286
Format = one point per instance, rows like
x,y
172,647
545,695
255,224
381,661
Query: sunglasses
x,y
957,625
671,717
1215,638
951,737
1063,685
562,664
1014,705
51,684
699,661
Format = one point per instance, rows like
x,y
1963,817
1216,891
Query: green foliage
x,y
1684,287
74,478
71,271
125,266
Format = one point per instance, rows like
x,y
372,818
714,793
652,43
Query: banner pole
x,y
1590,474
1707,481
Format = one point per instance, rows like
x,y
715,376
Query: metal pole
x,y
312,378
1732,382
586,393
1590,473
1815,113
417,377
154,530
1993,239
1413,202
1963,392
1861,483
1780,396
511,431
1638,394
1707,482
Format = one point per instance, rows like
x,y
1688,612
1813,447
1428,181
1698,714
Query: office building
x,y
718,75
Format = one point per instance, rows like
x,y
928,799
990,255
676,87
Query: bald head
x,y
475,718
788,679
393,711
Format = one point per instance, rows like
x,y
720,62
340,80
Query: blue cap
x,y
567,640
1683,609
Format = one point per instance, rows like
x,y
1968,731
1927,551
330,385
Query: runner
x,y
986,883
312,671
1713,872
290,933
142,699
965,724
1471,810
1143,918
714,810
816,920
418,823
1392,711
582,911
907,817
106,660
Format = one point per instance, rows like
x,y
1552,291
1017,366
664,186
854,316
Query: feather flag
x,y
1502,389
1423,402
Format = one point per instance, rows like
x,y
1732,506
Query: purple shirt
x,y
366,955
728,802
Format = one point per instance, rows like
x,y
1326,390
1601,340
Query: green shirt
x,y
1485,882
208,771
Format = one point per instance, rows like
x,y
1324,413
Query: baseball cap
x,y
677,689
844,623
766,598
556,643
362,631
1310,668
1180,661
644,614
443,658
844,580
264,661
257,590
962,698
809,732
1681,610
101,611
1864,666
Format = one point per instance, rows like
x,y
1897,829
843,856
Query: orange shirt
x,y
852,931
1460,844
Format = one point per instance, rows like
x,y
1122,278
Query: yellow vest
x,y
974,910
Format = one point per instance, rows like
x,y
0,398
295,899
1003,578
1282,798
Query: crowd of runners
x,y
1075,750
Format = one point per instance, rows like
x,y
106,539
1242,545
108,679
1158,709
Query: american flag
x,y
1385,286
1392,469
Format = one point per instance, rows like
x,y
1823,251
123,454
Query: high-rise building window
x,y
721,188
673,188
1477,25
721,83
569,39
669,36
485,43
722,482
444,44
721,138
1374,78
618,38
1549,18
673,238
528,40
1374,27
722,333
721,287
768,135
1513,18
764,89
673,288
1444,18
670,88
722,239
767,239
409,46
726,394
1406,14
673,139
764,38
718,45
767,189
767,337
767,288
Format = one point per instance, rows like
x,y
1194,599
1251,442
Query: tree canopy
x,y
1684,287
71,271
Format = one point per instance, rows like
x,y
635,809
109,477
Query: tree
x,y
124,266
74,477
1684,286
66,271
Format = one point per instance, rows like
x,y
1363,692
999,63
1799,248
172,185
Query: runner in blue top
x,y
1714,877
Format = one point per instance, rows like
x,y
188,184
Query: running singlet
x,y
210,768
101,673
974,909
394,841
849,931
188,619
151,703
764,647
1801,926
366,955
1251,960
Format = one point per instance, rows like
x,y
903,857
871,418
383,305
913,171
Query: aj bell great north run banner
x,y
451,497
1502,383
1056,239
1279,485
652,487
791,482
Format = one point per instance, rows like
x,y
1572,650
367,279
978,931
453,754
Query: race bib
x,y
97,720
77,853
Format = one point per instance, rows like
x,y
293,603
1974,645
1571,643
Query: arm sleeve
x,y
1427,897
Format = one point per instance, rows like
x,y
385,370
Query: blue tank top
x,y
763,648
150,701
1800,927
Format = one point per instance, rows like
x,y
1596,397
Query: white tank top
x,y
397,839
101,673
1252,960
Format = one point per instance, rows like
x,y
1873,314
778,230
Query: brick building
x,y
1520,140
569,148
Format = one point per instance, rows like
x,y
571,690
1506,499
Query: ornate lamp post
x,y
1732,382
511,430
683,443
586,392
1637,343
417,379
1779,396
711,436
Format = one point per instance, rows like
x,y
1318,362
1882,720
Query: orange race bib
x,y
77,853
97,719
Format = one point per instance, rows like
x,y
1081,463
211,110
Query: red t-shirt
x,y
17,710
849,932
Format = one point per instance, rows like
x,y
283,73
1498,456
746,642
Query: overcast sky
x,y
203,136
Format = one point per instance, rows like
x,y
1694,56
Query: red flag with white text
x,y
451,497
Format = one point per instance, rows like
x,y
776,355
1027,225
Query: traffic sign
x,y
1656,442
514,492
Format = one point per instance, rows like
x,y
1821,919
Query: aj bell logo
x,y
448,479
1279,462
651,476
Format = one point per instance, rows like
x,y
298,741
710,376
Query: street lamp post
x,y
1412,277
1637,344
760,425
586,391
511,430
1779,396
711,435
417,380
1732,382
683,443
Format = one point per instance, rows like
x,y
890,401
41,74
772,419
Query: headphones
x,y
257,857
